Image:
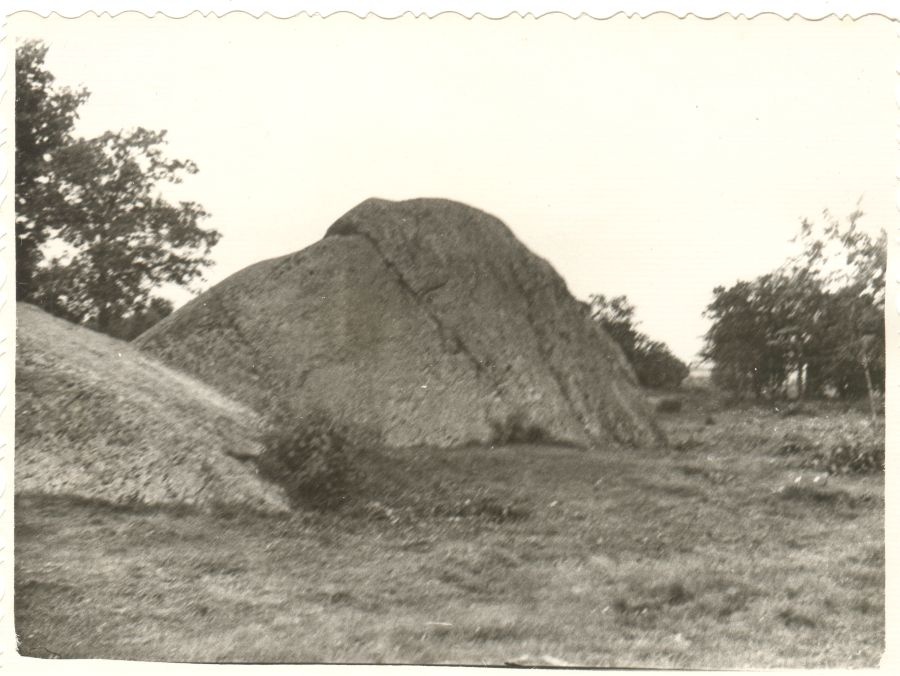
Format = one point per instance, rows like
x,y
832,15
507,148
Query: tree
x,y
735,342
656,366
123,240
816,320
133,325
653,362
116,238
852,266
45,115
617,317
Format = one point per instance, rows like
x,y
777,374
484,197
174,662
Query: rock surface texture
x,y
425,319
97,419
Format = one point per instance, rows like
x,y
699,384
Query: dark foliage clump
x,y
654,364
315,457
862,454
668,405
517,429
813,327
852,457
95,235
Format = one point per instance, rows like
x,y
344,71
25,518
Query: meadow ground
x,y
707,555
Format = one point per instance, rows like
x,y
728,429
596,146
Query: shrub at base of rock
x,y
517,429
668,405
315,458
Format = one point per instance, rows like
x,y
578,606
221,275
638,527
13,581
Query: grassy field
x,y
709,555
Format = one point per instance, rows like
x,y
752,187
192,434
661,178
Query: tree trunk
x,y
103,319
27,256
865,364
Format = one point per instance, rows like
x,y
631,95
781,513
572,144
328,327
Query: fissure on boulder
x,y
426,319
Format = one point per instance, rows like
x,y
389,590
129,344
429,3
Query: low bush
x,y
315,457
852,457
858,452
668,405
516,428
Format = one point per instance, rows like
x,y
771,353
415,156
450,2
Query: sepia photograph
x,y
529,342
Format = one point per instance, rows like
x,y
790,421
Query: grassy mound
x,y
99,420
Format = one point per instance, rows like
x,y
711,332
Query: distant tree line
x,y
94,236
653,363
813,327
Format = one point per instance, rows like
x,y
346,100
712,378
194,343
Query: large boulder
x,y
97,419
426,319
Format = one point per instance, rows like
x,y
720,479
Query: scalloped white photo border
x,y
495,9
795,10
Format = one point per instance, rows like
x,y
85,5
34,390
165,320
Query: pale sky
x,y
654,158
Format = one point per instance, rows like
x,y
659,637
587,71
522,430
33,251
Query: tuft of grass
x,y
792,618
808,494
794,444
487,507
714,476
652,599
687,443
488,571
794,409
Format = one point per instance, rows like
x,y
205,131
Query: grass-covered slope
x,y
721,552
99,420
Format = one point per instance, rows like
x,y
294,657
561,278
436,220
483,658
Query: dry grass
x,y
712,556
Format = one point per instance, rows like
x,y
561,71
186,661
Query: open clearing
x,y
690,557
